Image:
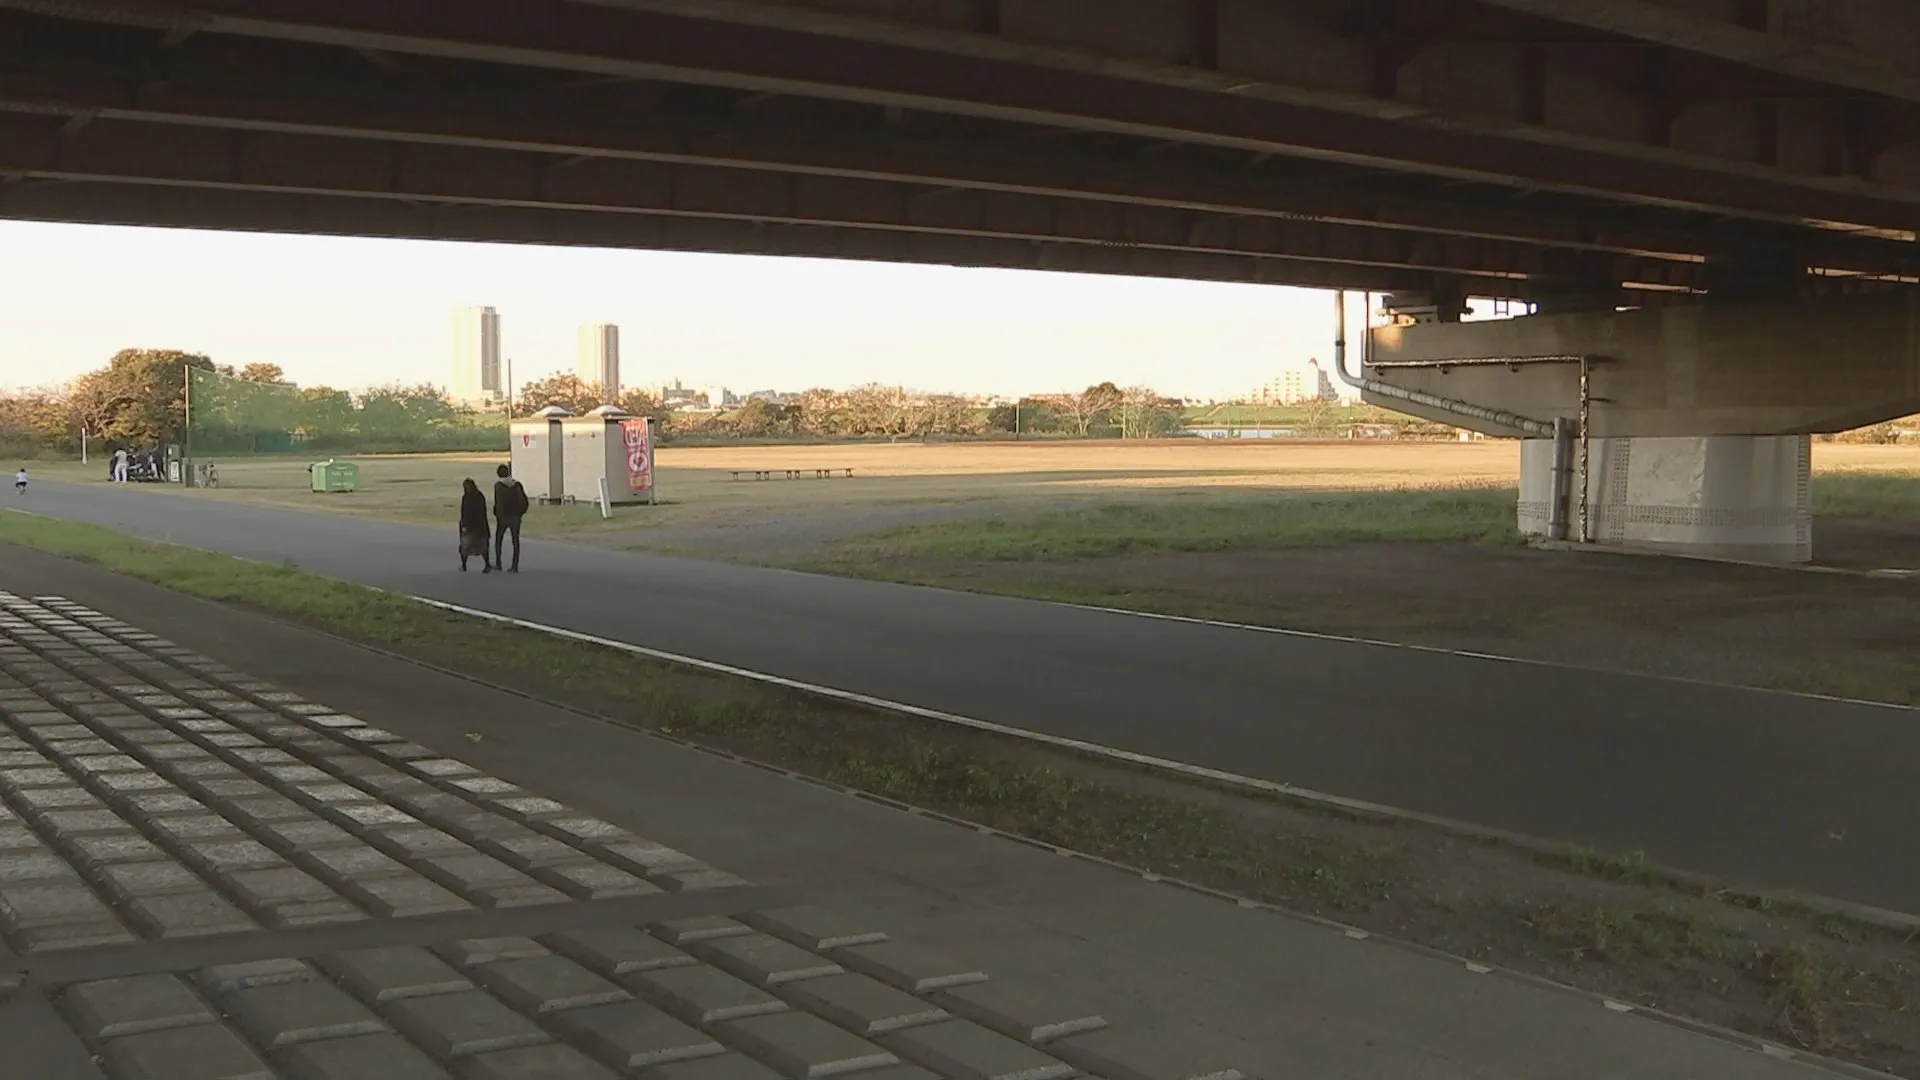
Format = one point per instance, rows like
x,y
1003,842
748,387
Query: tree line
x,y
879,411
141,399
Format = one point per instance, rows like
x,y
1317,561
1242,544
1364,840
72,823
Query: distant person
x,y
20,483
120,460
473,526
509,506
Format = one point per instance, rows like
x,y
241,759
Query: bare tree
x,y
1314,416
1089,406
1144,414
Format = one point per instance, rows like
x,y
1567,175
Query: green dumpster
x,y
331,475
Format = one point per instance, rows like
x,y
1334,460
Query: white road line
x,y
1221,624
1436,650
1863,912
1198,772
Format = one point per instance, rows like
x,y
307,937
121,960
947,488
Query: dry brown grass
x,y
905,483
698,489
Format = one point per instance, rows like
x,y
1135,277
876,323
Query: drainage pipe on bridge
x,y
1559,430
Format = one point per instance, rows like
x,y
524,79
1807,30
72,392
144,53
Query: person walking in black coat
x,y
473,527
509,506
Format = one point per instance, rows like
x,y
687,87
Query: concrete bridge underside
x,y
1744,175
1684,428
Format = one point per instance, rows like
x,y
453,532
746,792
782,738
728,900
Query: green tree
x,y
150,385
1032,416
92,402
642,403
402,415
570,392
326,413
264,373
34,420
758,419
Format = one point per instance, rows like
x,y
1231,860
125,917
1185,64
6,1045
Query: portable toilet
x,y
331,475
613,445
535,453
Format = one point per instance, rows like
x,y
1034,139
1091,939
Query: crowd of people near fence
x,y
130,465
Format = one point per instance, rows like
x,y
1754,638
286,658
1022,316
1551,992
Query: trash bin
x,y
331,475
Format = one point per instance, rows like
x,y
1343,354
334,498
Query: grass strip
x,y
1205,523
1607,924
1861,493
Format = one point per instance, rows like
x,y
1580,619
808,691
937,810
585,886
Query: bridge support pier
x,y
1693,421
1727,496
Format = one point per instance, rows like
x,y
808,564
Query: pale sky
x,y
354,312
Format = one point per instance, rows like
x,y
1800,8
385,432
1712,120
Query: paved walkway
x,y
205,873
1758,788
213,877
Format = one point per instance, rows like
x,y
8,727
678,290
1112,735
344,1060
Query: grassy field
x,y
1104,529
1610,924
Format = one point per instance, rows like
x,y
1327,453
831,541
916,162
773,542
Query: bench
x,y
789,474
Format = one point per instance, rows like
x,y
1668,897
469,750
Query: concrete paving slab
x,y
57,656
1198,979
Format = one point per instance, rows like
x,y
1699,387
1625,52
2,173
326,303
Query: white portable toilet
x,y
535,450
613,445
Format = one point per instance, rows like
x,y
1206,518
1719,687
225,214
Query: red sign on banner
x,y
638,435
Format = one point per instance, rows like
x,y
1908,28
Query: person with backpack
x,y
509,507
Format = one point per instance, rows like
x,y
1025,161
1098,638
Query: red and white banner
x,y
638,435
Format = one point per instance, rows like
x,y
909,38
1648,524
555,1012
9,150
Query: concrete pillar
x,y
1735,497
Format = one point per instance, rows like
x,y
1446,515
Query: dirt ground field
x,y
705,511
697,487
1826,633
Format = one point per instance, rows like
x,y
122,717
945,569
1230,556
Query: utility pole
x,y
186,428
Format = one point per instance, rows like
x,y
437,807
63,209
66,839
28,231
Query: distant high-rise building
x,y
600,358
675,396
1296,385
476,357
1323,387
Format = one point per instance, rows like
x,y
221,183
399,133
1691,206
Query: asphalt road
x,y
1756,787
